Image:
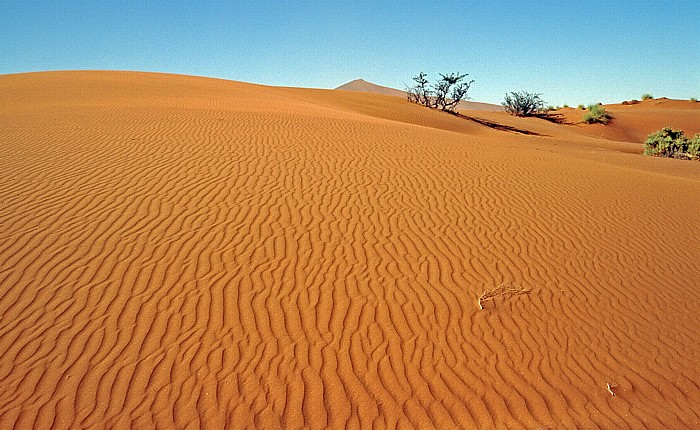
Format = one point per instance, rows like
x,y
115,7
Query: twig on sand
x,y
610,388
501,290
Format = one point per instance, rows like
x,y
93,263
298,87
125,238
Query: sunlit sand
x,y
184,252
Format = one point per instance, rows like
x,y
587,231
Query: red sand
x,y
188,252
368,87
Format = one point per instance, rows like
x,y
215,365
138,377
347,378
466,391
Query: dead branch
x,y
501,290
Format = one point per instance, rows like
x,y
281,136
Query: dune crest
x,y
360,85
187,252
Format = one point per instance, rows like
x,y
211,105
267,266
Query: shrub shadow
x,y
555,118
497,126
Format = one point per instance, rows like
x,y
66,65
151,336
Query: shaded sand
x,y
633,123
627,130
367,87
188,252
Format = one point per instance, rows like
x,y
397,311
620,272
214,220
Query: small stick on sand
x,y
610,388
501,290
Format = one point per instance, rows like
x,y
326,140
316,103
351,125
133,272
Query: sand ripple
x,y
183,252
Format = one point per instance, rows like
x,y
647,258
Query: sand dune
x,y
633,123
360,85
626,132
367,87
182,252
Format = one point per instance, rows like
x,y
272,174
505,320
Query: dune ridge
x,y
360,85
189,252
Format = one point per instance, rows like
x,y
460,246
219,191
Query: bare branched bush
x,y
445,95
421,92
501,290
522,103
450,90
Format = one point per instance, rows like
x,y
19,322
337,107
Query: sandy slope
x,y
186,252
367,87
628,129
363,86
633,123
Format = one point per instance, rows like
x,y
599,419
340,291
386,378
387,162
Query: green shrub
x,y
597,114
580,107
694,99
647,97
694,146
566,106
666,142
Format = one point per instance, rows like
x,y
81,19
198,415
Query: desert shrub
x,y
694,146
596,114
420,93
523,103
450,90
647,97
666,142
694,99
566,106
445,94
580,107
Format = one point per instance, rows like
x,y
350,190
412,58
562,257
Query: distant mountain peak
x,y
368,87
363,86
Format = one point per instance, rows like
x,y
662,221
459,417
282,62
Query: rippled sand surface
x,y
183,252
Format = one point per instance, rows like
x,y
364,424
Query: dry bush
x,y
446,94
522,103
501,290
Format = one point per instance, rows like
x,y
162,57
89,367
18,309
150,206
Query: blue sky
x,y
571,51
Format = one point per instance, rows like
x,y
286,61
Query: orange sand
x,y
368,87
188,252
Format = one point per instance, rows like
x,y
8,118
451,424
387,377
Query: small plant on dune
x,y
596,114
501,290
694,99
580,107
450,90
668,142
694,146
522,103
445,94
647,97
664,143
566,106
421,93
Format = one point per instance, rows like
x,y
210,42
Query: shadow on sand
x,y
556,118
497,126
